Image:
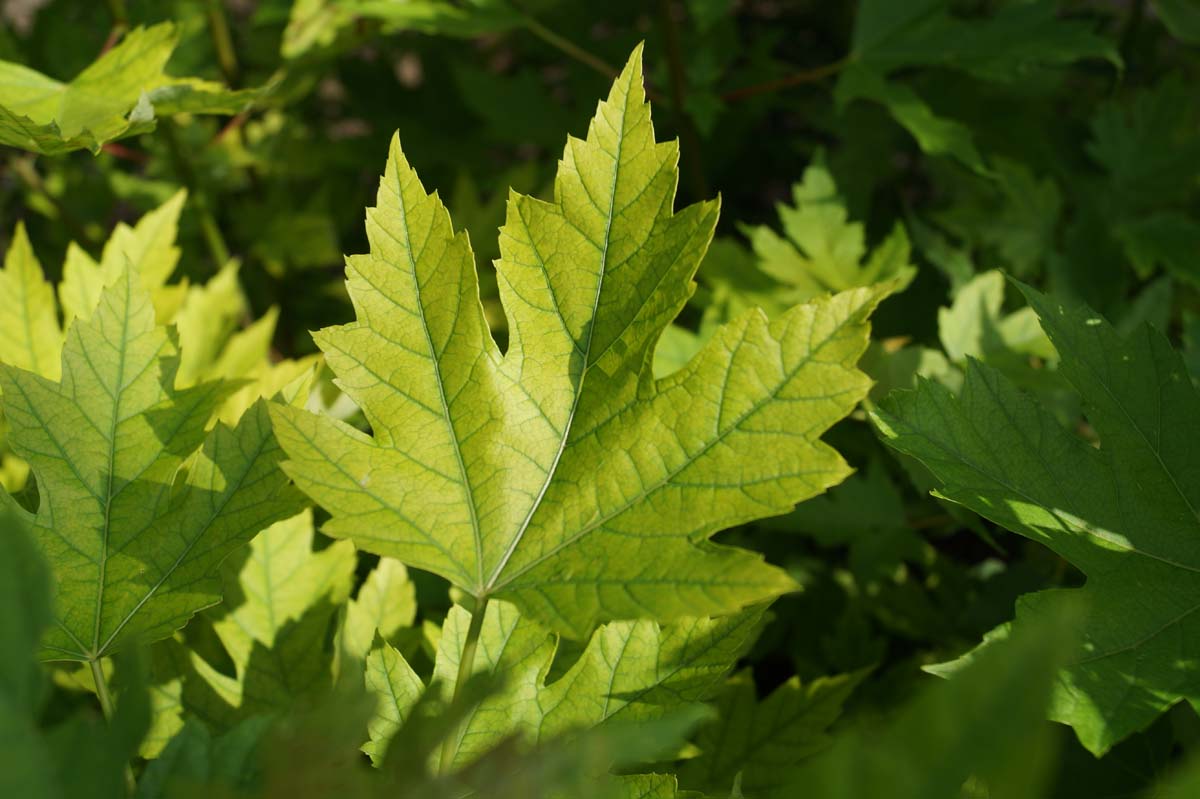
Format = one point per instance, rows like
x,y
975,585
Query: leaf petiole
x,y
465,664
106,705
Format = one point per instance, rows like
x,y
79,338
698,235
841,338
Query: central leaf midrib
x,y
105,531
212,517
566,433
437,379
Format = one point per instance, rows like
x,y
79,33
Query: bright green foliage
x,y
561,476
133,549
118,95
30,338
301,753
79,756
1017,42
278,608
977,735
974,325
629,671
214,348
1123,513
821,251
765,741
316,23
147,247
386,604
548,426
206,317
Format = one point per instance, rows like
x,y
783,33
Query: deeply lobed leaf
x,y
133,546
1124,513
118,95
560,475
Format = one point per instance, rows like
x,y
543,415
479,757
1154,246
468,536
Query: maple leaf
x,y
974,325
132,542
628,672
1124,513
821,250
278,606
385,604
560,475
118,95
30,338
316,23
148,247
205,316
765,741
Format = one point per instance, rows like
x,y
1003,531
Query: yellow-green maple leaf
x,y
635,671
559,475
133,541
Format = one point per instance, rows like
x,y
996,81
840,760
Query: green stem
x,y
687,126
217,247
795,79
466,664
102,694
568,47
218,27
119,13
106,707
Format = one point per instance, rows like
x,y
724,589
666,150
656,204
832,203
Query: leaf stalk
x,y
106,707
218,28
466,664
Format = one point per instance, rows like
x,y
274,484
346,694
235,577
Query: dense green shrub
x,y
831,431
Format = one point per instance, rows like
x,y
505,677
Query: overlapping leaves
x,y
628,672
1124,513
120,94
132,537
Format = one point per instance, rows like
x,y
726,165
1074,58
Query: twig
x,y
565,45
687,126
229,127
218,28
120,24
813,75
125,153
